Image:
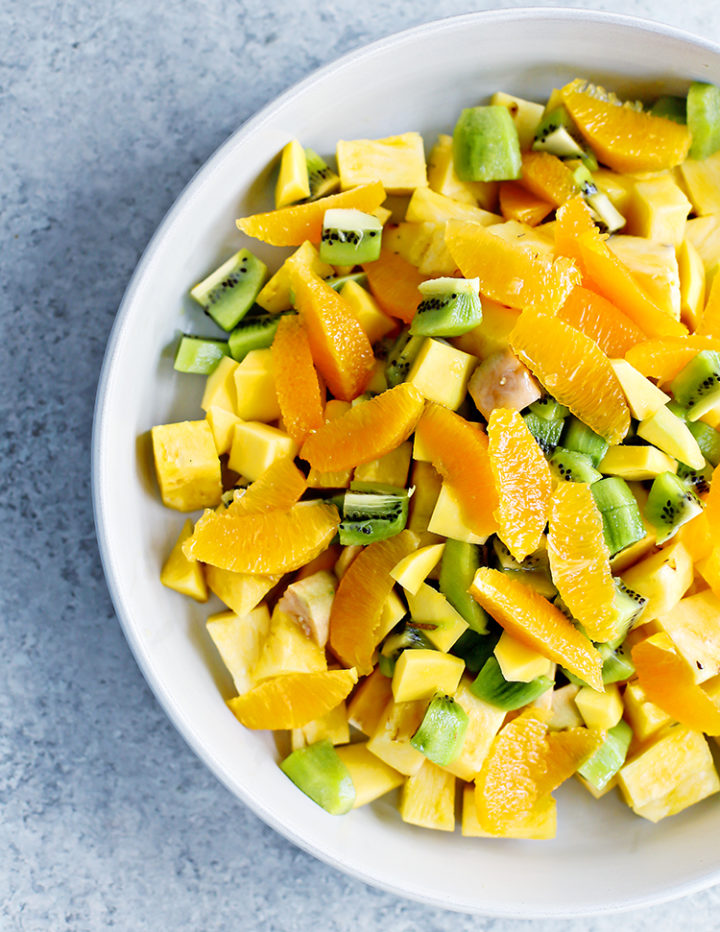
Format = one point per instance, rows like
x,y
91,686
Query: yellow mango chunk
x,y
398,162
441,373
426,481
658,210
332,727
222,423
293,182
187,465
182,574
239,640
663,578
220,386
393,611
391,740
369,702
644,716
484,721
520,663
371,777
255,396
256,446
600,710
391,469
412,571
288,649
430,607
428,798
448,519
366,312
692,284
427,206
420,673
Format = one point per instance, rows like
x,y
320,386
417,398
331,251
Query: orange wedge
x,y
366,432
574,370
509,272
459,452
291,226
600,320
280,486
339,345
361,594
394,283
296,381
712,507
530,618
668,681
566,751
696,536
580,560
572,219
517,203
664,359
292,700
271,542
623,138
523,482
548,177
710,321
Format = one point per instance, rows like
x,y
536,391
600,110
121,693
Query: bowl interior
x,y
604,857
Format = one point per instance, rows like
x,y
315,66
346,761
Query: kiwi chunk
x,y
475,649
697,386
321,774
350,237
697,480
449,307
229,293
255,332
622,523
617,665
671,108
546,432
337,281
441,733
534,571
199,355
491,686
572,466
579,438
628,606
460,561
408,638
708,439
549,409
486,145
555,135
371,516
401,357
600,769
703,119
321,177
670,504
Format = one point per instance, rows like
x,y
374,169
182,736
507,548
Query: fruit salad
x,y
456,481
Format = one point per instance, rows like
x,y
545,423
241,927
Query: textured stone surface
x,y
107,819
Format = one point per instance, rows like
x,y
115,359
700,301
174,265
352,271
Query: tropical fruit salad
x,y
457,465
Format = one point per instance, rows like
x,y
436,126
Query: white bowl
x,y
604,857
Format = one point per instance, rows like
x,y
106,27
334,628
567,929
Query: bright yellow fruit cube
x,y
443,178
369,702
704,234
412,571
636,463
519,663
600,710
441,373
448,519
427,205
239,591
430,607
420,673
288,649
220,386
398,162
391,469
694,627
644,716
644,398
393,611
655,267
366,311
391,739
493,334
658,210
371,777
255,396
427,483
617,188
484,721
257,446
182,574
239,640
275,295
702,183
332,727
428,798
293,182
538,825
222,423
187,465
692,284
331,480
663,578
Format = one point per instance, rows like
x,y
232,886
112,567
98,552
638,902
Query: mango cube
x,y
396,161
220,386
420,673
644,716
369,701
448,519
658,210
222,423
332,727
600,710
391,740
428,206
655,267
366,311
430,607
617,188
484,721
539,824
187,465
692,284
293,183
519,663
287,649
182,574
331,480
441,373
412,571
644,398
255,396
275,295
493,334
256,446
371,777
241,592
694,627
391,469
704,234
239,640
393,611
428,798
702,183
663,578
427,483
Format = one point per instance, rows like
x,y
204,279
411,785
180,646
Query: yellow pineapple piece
x,y
369,701
391,469
382,213
428,798
371,777
539,825
275,295
617,188
658,210
331,480
702,183
519,663
187,465
441,373
255,396
692,284
663,578
526,115
293,182
443,178
430,607
694,627
332,727
427,483
704,234
182,574
366,311
675,771
655,268
239,640
420,673
422,245
414,569
288,649
222,423
563,711
256,446
391,739
393,611
427,205
396,161
436,259
484,721
241,592
220,386
492,335
448,520
600,710
644,716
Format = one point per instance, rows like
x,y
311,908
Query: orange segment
x,y
522,479
612,279
530,618
358,603
280,486
291,226
668,681
600,320
272,542
394,283
574,370
663,359
548,177
296,381
508,271
459,452
624,139
712,507
572,219
517,203
366,432
566,751
710,321
292,700
580,560
339,345
696,536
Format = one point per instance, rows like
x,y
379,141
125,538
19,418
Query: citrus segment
x,y
291,226
459,452
710,321
580,559
522,479
574,370
623,138
548,177
280,486
712,507
664,359
600,320
517,203
366,432
296,381
572,219
566,751
530,618
697,536
394,283
293,699
358,604
271,542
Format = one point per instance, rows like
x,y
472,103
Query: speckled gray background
x,y
107,820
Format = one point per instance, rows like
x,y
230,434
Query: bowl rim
x,y
246,129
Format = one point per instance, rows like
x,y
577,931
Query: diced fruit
x,y
663,578
449,307
539,824
580,439
502,381
485,145
492,334
229,293
253,333
563,711
395,644
321,178
389,469
547,176
187,465
546,432
534,571
180,573
287,649
460,561
670,505
441,733
370,776
255,447
443,178
427,205
332,727
241,592
413,569
398,162
239,640
220,386
419,674
441,373
600,710
279,487
654,267
309,601
670,434
295,380
602,767
704,234
664,359
394,283
199,355
613,331
645,717
571,466
697,386
449,518
517,203
275,295
350,237
622,522
370,516
427,484
293,183
518,662
369,701
700,178
321,774
440,623
366,311
391,740
525,114
703,119
694,626
643,397
636,463
255,395
658,210
491,686
428,798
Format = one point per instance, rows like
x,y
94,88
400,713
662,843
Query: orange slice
x,y
580,560
548,177
530,618
394,283
271,542
280,486
296,381
696,536
572,219
600,320
623,138
523,482
668,681
517,203
574,370
358,603
664,359
459,452
509,272
710,321
340,347
291,226
366,432
292,700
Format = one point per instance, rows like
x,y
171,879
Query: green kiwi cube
x,y
229,293
401,357
600,769
321,178
708,439
581,439
611,493
617,665
256,332
555,135
486,145
475,649
671,108
547,432
549,409
441,733
571,466
460,561
697,385
370,516
491,686
627,606
350,237
321,774
449,307
410,637
703,119
199,355
670,504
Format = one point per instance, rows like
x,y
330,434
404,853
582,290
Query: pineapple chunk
x,y
182,574
532,239
288,649
257,446
436,259
331,480
220,386
644,398
222,423
393,611
398,162
430,607
644,716
484,721
526,115
493,334
692,284
563,711
540,824
239,640
427,483
600,710
332,727
412,571
422,245
309,601
187,465
443,178
617,188
427,205
293,183
369,702
428,798
419,674
694,626
371,777
663,578
702,183
448,520
658,210
391,740
674,772
241,592
519,663
441,373
635,552
366,311
654,266
255,396
704,234
391,469
275,295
